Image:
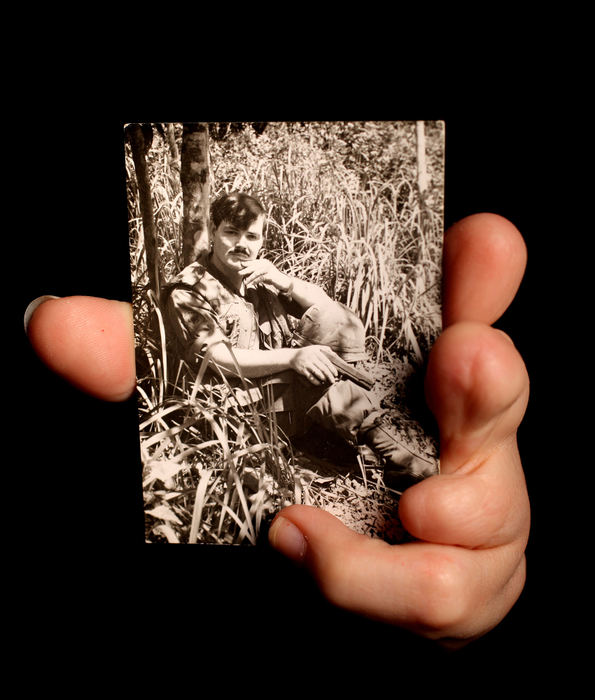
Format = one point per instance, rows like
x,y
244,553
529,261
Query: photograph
x,y
286,292
342,211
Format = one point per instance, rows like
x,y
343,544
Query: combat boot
x,y
402,467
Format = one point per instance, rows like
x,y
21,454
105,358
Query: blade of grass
x,y
199,503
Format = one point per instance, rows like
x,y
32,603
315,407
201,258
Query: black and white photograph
x,y
286,291
81,503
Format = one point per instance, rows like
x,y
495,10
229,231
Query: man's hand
x,y
262,271
314,363
467,567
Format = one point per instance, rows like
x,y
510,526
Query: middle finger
x,y
324,372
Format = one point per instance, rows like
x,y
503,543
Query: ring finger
x,y
322,373
311,376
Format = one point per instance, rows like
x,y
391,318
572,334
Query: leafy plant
x,y
343,211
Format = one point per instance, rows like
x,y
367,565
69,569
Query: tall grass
x,y
213,470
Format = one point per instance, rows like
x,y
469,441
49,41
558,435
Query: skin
x,y
235,254
467,567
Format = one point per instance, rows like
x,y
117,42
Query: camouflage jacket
x,y
201,308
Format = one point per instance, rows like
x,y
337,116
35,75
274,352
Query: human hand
x,y
467,567
314,363
262,271
466,570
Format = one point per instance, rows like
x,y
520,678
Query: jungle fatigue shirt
x,y
202,308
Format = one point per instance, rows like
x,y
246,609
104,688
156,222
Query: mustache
x,y
240,251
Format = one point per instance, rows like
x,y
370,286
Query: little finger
x,y
311,376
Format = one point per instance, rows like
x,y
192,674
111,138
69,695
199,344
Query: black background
x,y
86,588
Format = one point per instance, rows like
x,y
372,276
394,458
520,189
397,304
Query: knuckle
x,y
445,602
332,585
337,578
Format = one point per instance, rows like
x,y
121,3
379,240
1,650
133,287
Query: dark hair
x,y
239,208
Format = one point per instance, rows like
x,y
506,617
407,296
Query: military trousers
x,y
343,408
348,410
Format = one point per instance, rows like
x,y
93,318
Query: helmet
x,y
334,325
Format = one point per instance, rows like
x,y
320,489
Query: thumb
x,y
325,546
416,586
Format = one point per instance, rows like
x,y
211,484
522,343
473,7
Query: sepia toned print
x,y
286,292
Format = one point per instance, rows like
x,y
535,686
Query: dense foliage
x,y
344,211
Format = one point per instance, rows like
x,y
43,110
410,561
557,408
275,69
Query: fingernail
x,y
29,311
286,538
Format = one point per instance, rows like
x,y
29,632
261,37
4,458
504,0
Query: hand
x,y
262,271
313,362
467,568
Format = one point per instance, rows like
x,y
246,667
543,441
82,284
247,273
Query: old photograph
x,y
286,287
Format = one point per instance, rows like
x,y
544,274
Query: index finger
x,y
88,341
246,268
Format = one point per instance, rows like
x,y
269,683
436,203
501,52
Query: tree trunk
x,y
422,169
171,140
194,177
138,143
173,158
422,181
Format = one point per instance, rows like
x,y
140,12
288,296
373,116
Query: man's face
x,y
232,247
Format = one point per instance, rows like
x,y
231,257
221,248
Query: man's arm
x,y
189,317
262,271
314,362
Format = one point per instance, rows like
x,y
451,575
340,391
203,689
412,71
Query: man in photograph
x,y
285,334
